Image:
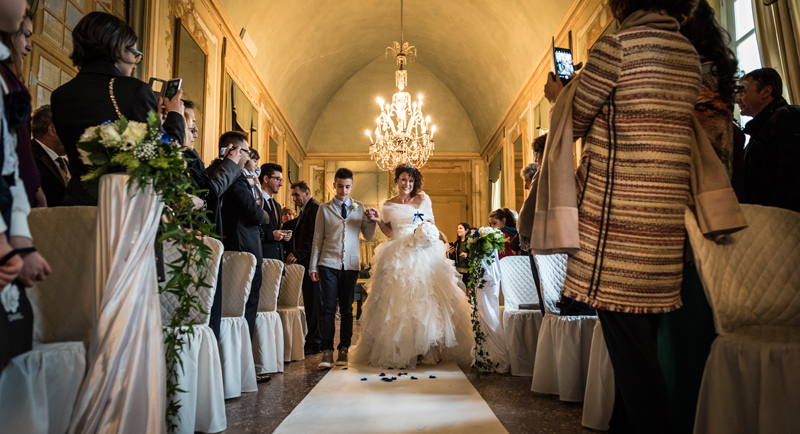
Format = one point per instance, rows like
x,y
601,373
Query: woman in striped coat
x,y
633,106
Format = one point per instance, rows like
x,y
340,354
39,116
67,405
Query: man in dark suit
x,y
272,236
50,157
241,217
302,240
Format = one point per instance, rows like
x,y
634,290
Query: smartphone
x,y
157,85
172,88
563,65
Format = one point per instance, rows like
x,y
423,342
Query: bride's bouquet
x,y
426,234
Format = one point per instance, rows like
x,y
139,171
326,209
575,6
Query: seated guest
x,y
771,177
104,51
503,219
241,217
272,235
50,156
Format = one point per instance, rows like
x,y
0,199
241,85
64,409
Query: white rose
x,y
109,135
486,230
133,135
10,298
89,134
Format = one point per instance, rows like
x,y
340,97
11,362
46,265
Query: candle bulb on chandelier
x,y
433,129
370,136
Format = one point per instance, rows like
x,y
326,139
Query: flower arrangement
x,y
149,156
426,234
481,245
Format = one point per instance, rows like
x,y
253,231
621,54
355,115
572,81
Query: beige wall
x,y
353,109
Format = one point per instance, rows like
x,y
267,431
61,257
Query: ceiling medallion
x,y
402,135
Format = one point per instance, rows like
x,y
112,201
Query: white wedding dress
x,y
414,306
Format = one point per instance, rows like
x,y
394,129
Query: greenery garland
x,y
482,246
151,157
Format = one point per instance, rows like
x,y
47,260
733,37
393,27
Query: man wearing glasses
x,y
272,236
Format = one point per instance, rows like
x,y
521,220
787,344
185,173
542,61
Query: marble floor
x,y
517,408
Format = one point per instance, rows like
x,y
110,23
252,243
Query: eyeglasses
x,y
137,55
738,90
278,178
193,130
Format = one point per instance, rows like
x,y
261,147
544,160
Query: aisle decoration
x,y
481,246
149,156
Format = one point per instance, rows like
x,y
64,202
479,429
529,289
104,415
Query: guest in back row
x,y
50,156
104,51
272,236
503,219
458,251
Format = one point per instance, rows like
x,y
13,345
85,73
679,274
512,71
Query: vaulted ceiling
x,y
482,50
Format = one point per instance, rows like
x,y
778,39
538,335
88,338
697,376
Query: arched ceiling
x,y
482,50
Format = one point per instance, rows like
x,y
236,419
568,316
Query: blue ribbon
x,y
418,215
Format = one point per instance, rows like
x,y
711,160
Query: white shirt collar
x,y
339,202
265,195
49,151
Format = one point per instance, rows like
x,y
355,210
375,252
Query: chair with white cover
x,y
562,353
38,389
522,325
203,402
294,327
268,337
236,349
751,382
598,404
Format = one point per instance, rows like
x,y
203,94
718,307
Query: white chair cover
x,y
751,382
125,385
294,324
268,342
562,353
38,388
203,402
522,326
598,403
236,350
68,235
489,315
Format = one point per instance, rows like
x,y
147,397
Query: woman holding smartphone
x,y
104,50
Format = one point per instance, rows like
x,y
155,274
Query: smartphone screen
x,y
562,59
172,88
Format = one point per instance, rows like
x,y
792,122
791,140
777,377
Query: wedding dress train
x,y
414,306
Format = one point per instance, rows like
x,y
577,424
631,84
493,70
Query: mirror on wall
x,y
190,65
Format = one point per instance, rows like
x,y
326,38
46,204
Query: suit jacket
x,y
84,101
336,239
288,247
241,217
216,180
53,184
303,237
272,248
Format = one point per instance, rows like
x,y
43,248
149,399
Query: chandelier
x,y
402,135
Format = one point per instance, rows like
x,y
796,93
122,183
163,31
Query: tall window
x,y
738,20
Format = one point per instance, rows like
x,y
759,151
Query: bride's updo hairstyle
x,y
413,172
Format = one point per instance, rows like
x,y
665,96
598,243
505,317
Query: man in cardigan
x,y
335,263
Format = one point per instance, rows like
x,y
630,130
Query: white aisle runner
x,y
342,403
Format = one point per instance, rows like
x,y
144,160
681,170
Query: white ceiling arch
x,y
482,50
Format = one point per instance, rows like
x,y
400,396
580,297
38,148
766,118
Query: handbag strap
x,y
113,100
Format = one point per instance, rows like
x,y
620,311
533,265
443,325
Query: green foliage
x,y
481,251
181,224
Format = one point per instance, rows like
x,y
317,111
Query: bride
x,y
415,307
